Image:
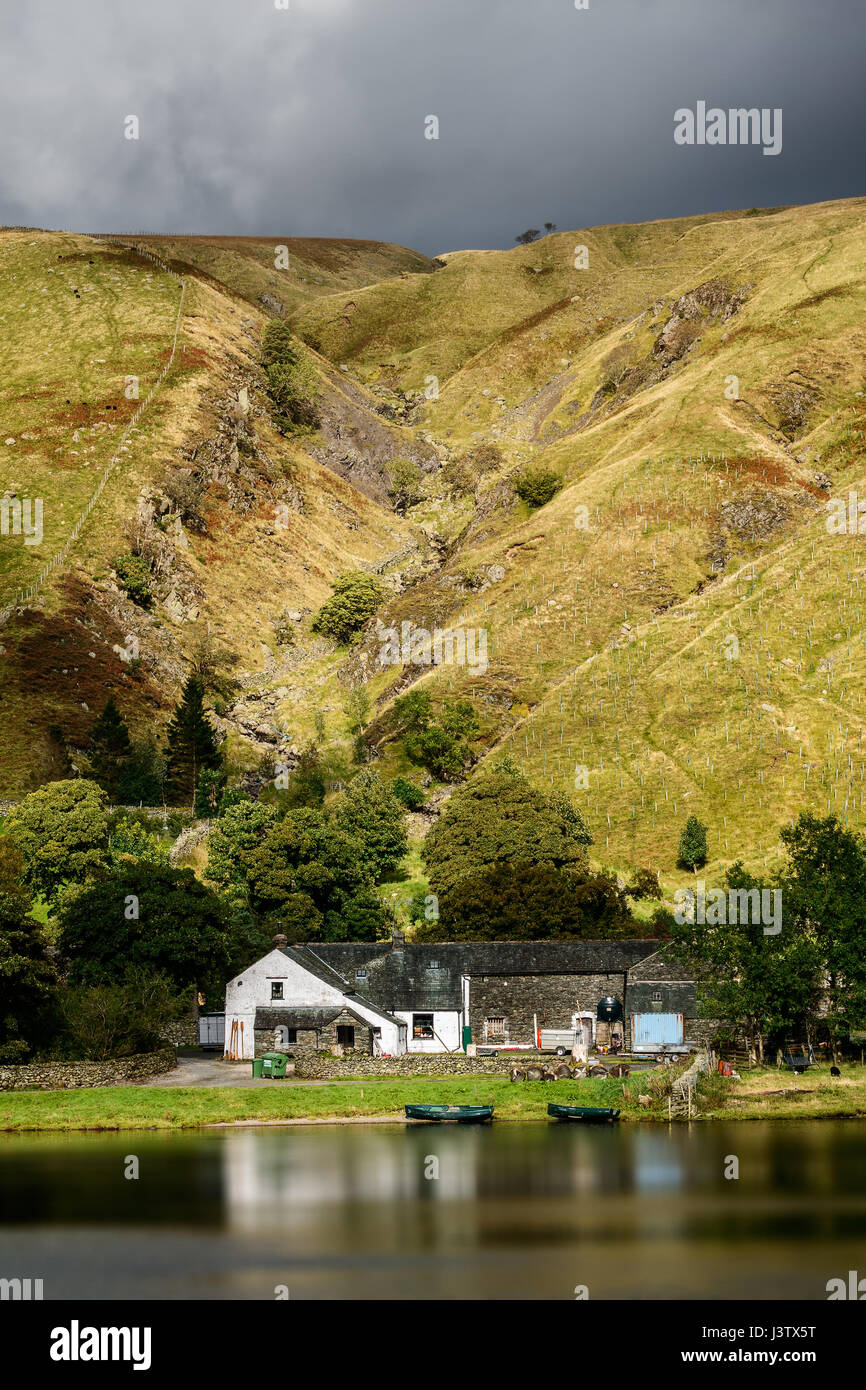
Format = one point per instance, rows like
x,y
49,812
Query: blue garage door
x,y
651,1031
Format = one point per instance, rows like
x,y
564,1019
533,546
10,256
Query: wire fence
x,y
57,561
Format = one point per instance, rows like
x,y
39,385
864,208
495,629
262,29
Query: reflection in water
x,y
425,1211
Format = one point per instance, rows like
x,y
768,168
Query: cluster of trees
x,y
313,870
509,862
778,983
439,743
132,935
504,860
533,233
122,921
186,771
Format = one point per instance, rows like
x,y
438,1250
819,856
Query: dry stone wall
x,y
67,1076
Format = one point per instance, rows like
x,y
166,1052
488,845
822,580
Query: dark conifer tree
x,y
191,745
109,747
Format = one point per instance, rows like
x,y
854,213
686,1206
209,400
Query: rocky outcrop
x,y
355,443
188,840
711,302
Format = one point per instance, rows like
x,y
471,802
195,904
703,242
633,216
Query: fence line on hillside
x,y
58,560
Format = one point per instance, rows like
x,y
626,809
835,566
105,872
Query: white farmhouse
x,y
291,998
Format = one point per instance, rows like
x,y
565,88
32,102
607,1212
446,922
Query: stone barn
x,y
395,997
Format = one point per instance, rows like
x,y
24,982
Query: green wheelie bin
x,y
274,1064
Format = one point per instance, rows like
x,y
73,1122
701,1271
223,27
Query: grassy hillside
x,y
317,266
277,526
674,632
610,629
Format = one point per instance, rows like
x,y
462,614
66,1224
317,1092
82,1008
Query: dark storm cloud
x,y
310,121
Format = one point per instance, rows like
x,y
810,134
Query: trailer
x,y
558,1040
212,1031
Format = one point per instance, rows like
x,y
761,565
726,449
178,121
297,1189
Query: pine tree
x,y
191,745
109,747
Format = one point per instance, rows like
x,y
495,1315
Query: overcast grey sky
x,y
309,121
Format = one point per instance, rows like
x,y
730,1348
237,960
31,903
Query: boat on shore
x,y
459,1114
585,1114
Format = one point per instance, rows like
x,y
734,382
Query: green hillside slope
x,y
675,631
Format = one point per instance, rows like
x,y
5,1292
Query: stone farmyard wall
x,y
66,1076
410,1064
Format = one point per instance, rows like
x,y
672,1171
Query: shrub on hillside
x,y
186,491
408,793
355,599
463,473
133,572
291,379
645,884
439,745
404,484
536,486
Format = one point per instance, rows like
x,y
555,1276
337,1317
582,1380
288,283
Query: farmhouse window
x,y
494,1027
276,989
360,974
422,1026
345,1035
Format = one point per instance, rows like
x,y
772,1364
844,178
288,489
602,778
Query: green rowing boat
x,y
588,1114
462,1114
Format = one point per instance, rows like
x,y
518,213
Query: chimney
x,y
280,942
398,940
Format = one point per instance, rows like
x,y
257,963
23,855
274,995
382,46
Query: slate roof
x,y
405,979
296,1017
311,960
662,964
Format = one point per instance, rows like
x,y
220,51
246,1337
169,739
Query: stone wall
x,y
183,1033
66,1076
306,1041
685,1086
553,998
410,1064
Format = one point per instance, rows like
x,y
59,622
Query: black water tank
x,y
609,1010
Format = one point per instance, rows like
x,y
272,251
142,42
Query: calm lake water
x,y
517,1211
